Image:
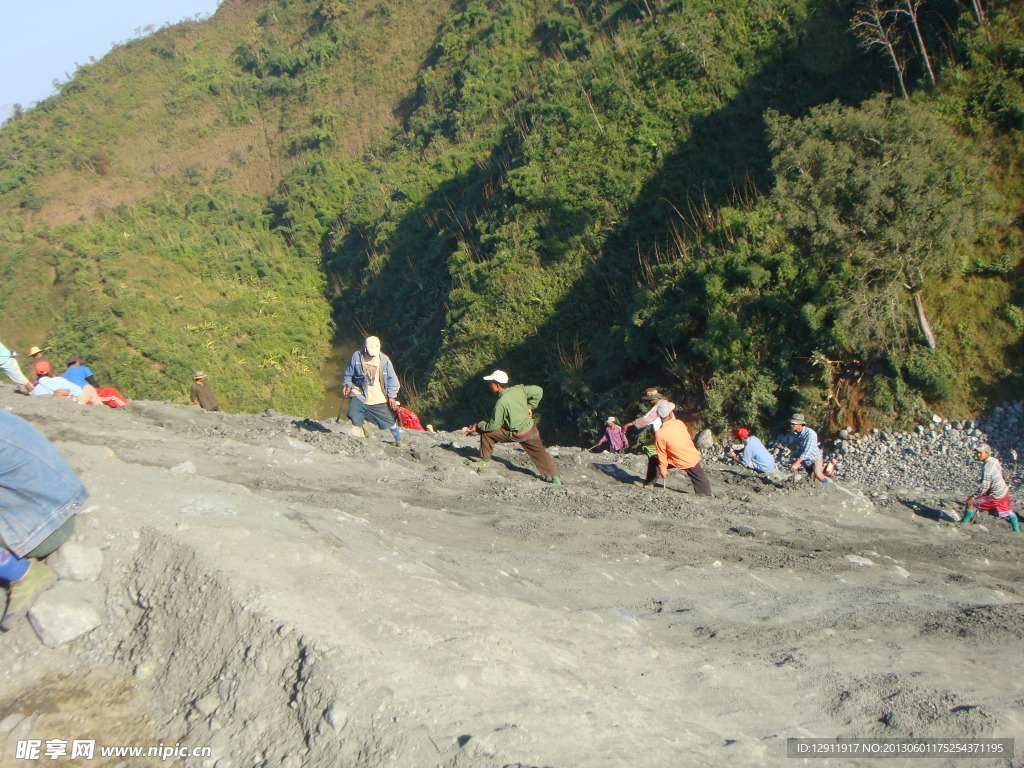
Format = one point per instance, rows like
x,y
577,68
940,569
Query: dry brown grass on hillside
x,y
78,196
156,147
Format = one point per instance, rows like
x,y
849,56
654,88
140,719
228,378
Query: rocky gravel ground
x,y
934,457
280,592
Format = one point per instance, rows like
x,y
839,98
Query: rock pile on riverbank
x,y
936,457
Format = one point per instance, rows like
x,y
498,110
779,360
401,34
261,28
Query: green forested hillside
x,y
733,199
134,228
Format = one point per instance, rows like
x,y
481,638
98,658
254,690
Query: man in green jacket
x,y
512,422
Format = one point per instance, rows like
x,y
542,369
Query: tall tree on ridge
x,y
877,27
910,8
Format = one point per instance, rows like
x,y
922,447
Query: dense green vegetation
x,y
729,198
134,228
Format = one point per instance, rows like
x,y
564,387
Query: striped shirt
x,y
992,482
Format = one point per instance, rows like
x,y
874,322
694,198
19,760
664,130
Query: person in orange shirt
x,y
676,449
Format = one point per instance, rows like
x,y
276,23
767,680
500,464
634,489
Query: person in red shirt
x,y
676,449
406,418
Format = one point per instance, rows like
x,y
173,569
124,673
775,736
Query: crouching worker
x,y
614,435
993,493
513,422
676,449
649,419
754,455
39,495
806,451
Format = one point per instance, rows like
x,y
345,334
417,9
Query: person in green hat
x,y
807,452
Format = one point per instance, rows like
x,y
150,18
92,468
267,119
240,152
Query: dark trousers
x,y
51,543
652,469
701,483
531,443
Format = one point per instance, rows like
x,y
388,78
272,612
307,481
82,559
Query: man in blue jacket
x,y
39,495
371,382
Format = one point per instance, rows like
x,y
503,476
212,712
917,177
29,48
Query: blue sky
x,y
42,40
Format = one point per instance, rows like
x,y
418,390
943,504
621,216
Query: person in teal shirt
x,y
9,365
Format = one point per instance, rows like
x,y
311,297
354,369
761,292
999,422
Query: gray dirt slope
x,y
288,596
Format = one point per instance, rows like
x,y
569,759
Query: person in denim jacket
x,y
39,495
371,382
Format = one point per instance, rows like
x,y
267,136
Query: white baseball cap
x,y
499,376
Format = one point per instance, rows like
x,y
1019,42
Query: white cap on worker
x,y
499,376
372,346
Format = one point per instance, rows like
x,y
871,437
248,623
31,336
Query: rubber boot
x,y
35,579
396,434
1014,522
968,514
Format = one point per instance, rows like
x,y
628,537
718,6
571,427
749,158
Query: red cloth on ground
x,y
407,419
111,397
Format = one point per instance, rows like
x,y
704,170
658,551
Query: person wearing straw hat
x,y
652,420
37,357
649,419
614,435
201,394
806,450
993,493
